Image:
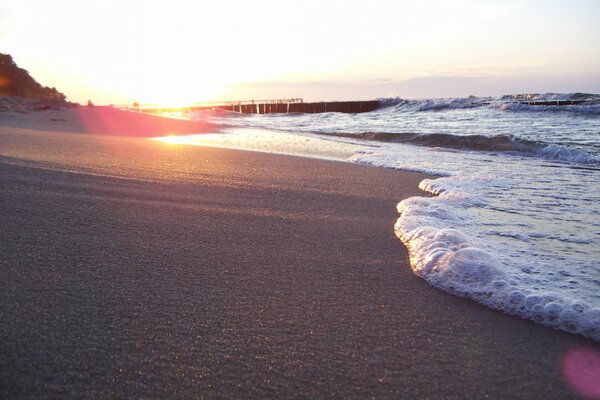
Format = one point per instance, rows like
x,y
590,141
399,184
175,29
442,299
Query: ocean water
x,y
515,220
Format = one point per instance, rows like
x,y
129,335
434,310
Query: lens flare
x,y
581,370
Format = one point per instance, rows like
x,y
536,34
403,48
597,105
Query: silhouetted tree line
x,y
15,81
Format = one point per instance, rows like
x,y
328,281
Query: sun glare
x,y
171,139
173,114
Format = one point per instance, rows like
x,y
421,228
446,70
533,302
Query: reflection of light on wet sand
x,y
581,370
173,139
270,142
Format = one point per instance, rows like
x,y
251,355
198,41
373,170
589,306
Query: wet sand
x,y
136,269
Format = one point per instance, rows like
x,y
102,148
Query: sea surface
x,y
515,220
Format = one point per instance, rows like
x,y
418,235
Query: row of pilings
x,y
541,102
350,107
279,107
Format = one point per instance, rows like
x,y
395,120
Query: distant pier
x,y
279,106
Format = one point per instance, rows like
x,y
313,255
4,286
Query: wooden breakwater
x,y
349,107
540,102
551,102
282,106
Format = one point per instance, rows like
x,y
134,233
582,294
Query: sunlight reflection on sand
x,y
271,142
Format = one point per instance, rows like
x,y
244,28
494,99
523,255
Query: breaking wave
x,y
573,102
498,143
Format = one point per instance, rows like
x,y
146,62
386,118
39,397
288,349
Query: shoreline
x,y
226,273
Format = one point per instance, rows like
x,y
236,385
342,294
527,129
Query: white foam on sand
x,y
469,267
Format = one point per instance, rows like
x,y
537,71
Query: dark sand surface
x,y
134,269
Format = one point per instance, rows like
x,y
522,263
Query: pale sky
x,y
173,52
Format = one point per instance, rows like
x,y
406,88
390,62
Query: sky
x,y
177,52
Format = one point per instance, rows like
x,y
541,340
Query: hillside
x,y
17,82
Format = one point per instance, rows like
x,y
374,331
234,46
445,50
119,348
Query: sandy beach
x,y
137,269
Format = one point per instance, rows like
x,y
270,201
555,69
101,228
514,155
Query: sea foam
x,y
461,265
